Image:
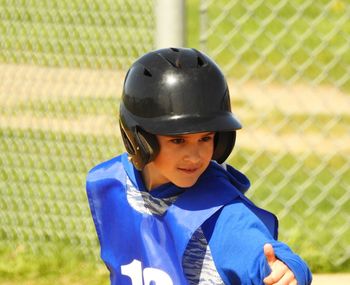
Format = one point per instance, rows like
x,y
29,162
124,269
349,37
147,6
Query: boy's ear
x,y
223,145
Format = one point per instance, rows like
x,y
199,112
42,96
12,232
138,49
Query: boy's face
x,y
181,159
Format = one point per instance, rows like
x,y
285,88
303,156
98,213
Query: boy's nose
x,y
192,155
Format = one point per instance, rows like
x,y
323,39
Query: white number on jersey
x,y
145,276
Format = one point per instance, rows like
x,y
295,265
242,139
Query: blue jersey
x,y
209,233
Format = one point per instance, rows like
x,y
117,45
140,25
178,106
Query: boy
x,y
169,212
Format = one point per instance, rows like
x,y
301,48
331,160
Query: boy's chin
x,y
185,184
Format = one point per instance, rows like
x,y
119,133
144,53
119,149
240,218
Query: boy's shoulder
x,y
243,213
110,169
236,177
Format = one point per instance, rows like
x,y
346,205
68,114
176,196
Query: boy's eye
x,y
205,139
177,141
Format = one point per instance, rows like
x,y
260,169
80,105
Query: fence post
x,y
203,24
170,23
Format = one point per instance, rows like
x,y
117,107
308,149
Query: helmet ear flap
x,y
223,145
149,147
128,142
141,146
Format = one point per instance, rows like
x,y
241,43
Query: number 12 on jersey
x,y
146,276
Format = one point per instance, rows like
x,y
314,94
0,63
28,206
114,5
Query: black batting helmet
x,y
175,91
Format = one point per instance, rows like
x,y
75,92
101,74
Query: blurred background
x,y
62,65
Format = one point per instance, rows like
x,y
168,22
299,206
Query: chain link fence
x,y
61,67
288,64
62,64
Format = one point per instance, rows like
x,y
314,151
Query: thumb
x,y
269,253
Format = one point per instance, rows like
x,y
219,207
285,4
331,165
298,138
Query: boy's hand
x,y
280,273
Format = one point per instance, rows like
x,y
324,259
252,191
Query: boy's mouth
x,y
188,170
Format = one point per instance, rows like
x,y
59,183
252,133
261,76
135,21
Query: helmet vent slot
x,y
174,62
200,61
147,72
175,49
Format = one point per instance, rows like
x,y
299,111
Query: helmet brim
x,y
177,125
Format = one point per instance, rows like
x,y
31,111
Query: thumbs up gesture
x,y
280,273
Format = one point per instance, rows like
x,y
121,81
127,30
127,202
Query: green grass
x,y
64,107
43,176
308,224
42,173
303,123
314,46
92,34
61,266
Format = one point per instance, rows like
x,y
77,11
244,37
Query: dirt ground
x,y
331,279
26,84
319,279
23,82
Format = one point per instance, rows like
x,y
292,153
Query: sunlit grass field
x,y
44,167
47,165
287,47
83,34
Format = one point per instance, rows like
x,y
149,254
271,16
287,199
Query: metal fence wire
x,y
62,63
288,66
